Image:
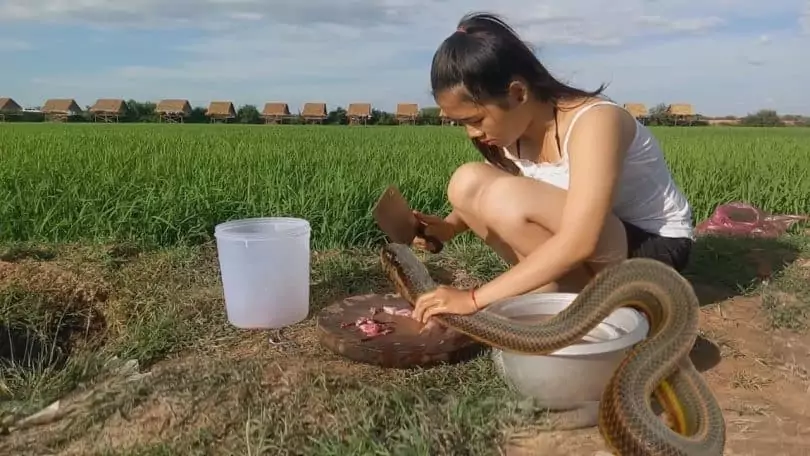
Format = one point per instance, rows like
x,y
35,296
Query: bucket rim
x,y
636,326
286,228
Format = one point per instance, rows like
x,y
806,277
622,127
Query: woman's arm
x,y
456,222
596,153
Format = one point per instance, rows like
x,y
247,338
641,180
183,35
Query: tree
x,y
197,115
430,116
337,117
248,114
659,115
140,112
762,118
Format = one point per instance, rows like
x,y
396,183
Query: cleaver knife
x,y
395,218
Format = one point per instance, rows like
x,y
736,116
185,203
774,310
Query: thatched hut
x,y
275,112
61,109
682,113
407,113
314,112
221,111
8,108
173,110
639,111
358,113
108,109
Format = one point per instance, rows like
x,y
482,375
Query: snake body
x,y
659,365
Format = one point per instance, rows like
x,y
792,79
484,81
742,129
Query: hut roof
x,y
61,106
221,108
112,105
314,110
276,109
407,109
681,109
636,109
359,110
173,106
8,105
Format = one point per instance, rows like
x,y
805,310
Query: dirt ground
x,y
163,373
761,382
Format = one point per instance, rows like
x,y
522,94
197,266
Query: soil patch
x,y
46,312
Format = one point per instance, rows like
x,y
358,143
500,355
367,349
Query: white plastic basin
x,y
265,268
575,375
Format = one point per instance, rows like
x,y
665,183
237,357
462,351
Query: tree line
x,y
658,115
145,112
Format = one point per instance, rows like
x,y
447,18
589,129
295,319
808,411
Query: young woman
x,y
571,182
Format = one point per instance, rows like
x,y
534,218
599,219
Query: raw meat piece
x,y
370,327
391,310
743,219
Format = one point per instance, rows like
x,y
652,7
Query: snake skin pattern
x,y
659,365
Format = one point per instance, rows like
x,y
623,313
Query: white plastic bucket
x,y
574,375
265,267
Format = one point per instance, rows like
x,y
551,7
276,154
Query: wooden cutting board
x,y
404,347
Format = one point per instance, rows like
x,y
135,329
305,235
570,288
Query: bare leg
x,y
497,207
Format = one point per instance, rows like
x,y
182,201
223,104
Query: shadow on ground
x,y
724,267
705,354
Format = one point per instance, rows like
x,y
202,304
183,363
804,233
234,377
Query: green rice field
x,y
170,184
134,342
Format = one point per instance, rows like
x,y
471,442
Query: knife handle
x,y
433,245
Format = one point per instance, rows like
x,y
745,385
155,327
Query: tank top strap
x,y
574,121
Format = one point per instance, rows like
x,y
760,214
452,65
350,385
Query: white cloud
x,y
160,13
696,24
718,75
587,19
339,52
14,45
804,19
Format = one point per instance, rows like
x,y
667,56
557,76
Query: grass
x,y
300,401
105,232
167,185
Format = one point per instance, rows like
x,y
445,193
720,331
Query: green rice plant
x,y
171,184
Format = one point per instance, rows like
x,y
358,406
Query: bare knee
x,y
466,185
480,190
495,205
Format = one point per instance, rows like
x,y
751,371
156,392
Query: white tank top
x,y
646,196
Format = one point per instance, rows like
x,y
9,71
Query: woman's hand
x,y
434,226
444,300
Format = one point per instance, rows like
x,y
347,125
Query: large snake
x,y
659,365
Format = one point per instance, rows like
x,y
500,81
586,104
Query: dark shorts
x,y
672,251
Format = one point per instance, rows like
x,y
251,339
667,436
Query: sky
x,y
725,57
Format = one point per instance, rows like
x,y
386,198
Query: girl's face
x,y
494,123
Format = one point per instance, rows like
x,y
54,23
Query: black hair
x,y
485,55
